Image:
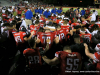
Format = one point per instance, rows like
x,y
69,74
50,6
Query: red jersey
x,y
66,29
19,11
25,11
19,37
61,34
87,11
41,24
42,19
4,16
53,18
57,21
89,36
35,32
75,24
32,27
84,22
97,60
34,58
68,62
44,36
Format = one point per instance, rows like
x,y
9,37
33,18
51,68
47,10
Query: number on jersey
x,y
45,38
72,63
61,36
18,39
33,59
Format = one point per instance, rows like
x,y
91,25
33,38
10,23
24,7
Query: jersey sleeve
x,y
57,54
96,57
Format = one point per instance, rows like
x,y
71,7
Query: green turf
x,y
64,10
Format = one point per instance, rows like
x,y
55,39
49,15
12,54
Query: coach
x,y
47,13
28,17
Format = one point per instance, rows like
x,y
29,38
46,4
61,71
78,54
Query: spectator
x,y
47,13
72,13
19,12
36,10
40,11
83,12
53,11
59,11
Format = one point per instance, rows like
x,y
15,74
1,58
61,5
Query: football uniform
x,y
68,62
75,24
19,37
43,36
4,16
41,24
34,58
88,36
97,61
61,22
57,21
66,29
84,22
32,27
62,35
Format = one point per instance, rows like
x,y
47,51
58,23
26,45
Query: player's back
x,y
69,62
19,37
34,58
61,34
88,36
97,60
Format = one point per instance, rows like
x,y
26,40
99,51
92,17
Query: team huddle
x,y
56,43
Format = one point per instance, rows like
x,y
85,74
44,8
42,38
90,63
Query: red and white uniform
x,y
41,24
75,24
35,32
68,62
89,36
62,35
97,61
57,21
19,37
61,22
84,22
4,16
32,27
43,36
34,58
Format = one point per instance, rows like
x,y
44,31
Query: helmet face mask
x,y
97,48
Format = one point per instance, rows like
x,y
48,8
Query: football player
x,y
69,61
33,57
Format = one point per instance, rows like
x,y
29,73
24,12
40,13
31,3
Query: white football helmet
x,y
97,48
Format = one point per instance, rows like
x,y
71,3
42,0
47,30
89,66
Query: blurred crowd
x,y
44,40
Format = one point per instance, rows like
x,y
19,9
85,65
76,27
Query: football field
x,y
65,9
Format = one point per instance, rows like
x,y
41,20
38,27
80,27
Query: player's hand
x,y
38,40
56,40
32,32
48,40
42,52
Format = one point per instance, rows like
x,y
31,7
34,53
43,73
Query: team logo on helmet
x,y
97,48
